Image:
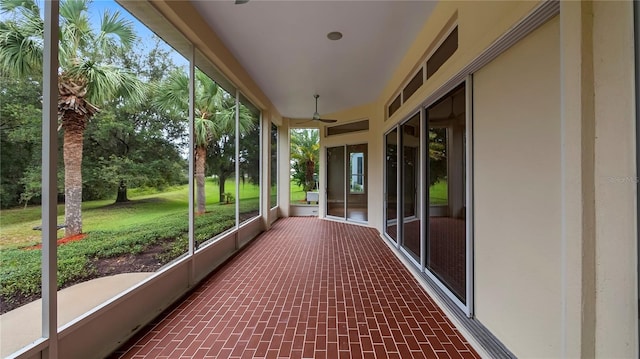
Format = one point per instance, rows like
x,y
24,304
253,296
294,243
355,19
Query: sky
x,y
97,8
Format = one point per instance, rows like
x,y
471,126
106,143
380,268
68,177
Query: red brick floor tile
x,y
332,291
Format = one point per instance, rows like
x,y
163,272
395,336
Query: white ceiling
x,y
284,47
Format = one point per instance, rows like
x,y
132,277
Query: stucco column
x,y
284,179
616,214
577,146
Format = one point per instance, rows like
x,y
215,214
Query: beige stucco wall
x,y
480,23
374,160
517,195
616,319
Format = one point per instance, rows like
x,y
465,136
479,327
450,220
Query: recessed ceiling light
x,y
334,35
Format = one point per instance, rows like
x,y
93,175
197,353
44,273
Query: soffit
x,y
283,46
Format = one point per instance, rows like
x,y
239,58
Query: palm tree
x,y
87,76
214,120
305,150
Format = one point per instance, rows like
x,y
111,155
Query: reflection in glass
x,y
446,245
273,182
336,181
356,171
410,137
391,172
357,196
438,184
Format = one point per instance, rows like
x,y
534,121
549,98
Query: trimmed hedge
x,y
20,269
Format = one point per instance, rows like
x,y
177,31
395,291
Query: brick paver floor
x,y
308,288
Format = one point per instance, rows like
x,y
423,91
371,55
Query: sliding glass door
x,y
336,181
347,182
427,194
391,185
446,178
410,139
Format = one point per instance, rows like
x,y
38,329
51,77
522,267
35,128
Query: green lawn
x,y
145,207
298,195
149,219
438,193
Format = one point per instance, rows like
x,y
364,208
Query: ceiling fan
x,y
316,115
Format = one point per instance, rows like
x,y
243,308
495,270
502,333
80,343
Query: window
x,y
394,105
248,181
357,173
391,184
348,128
273,181
138,166
347,182
446,242
443,53
426,199
413,85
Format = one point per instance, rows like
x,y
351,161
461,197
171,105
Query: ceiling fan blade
x,y
316,115
240,2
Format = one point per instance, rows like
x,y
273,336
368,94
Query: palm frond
x,y
103,82
204,131
27,8
114,25
20,50
225,121
75,31
131,87
208,97
304,145
173,93
74,11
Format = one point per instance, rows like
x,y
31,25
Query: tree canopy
x,y
123,109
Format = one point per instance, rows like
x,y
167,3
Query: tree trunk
x,y
309,170
221,180
72,149
122,192
201,154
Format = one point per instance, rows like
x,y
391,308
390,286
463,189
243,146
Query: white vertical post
x,y
192,96
264,207
636,24
400,189
423,187
469,194
49,178
347,162
237,162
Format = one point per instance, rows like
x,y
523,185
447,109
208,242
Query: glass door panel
x,y
357,196
391,172
336,181
446,243
410,137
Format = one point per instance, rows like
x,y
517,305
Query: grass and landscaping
x,y
439,193
297,194
143,234
140,235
